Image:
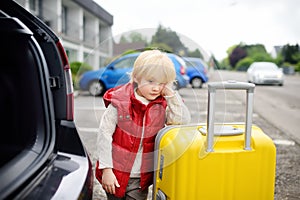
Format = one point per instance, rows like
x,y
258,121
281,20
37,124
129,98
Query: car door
x,y
41,153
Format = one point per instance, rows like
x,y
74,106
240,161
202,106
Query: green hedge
x,y
297,68
244,64
77,69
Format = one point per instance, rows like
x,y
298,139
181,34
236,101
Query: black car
x,y
41,153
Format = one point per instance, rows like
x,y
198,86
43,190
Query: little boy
x,y
135,113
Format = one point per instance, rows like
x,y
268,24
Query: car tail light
x,y
69,83
182,70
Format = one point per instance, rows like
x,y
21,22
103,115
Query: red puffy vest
x,y
134,118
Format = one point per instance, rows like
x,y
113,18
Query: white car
x,y
265,73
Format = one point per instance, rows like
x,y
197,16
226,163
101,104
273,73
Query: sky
x,y
210,25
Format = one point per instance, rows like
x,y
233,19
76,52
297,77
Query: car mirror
x,y
111,67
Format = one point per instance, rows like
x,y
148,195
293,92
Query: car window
x,y
181,61
189,63
269,66
193,63
265,65
125,63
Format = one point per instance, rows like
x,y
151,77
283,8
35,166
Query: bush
x,y
77,69
244,64
260,57
297,67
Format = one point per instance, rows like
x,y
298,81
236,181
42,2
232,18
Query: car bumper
x,y
81,174
269,81
182,81
186,78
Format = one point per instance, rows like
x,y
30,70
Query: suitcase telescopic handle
x,y
229,85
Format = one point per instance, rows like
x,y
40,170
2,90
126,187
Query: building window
x,y
125,63
64,19
72,54
33,5
102,61
88,58
84,28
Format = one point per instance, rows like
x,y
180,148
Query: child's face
x,y
150,89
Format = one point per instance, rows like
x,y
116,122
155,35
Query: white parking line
x,y
227,102
284,142
222,113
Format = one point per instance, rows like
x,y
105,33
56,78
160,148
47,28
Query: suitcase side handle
x,y
229,85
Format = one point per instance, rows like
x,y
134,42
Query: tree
x,y
224,64
237,54
161,46
244,64
137,37
253,53
255,49
195,53
257,52
123,39
170,38
230,49
133,37
259,57
291,53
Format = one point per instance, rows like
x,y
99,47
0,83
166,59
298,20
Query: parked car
x,y
117,73
41,154
197,71
265,73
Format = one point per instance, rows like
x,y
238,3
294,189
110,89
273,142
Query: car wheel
x,y
96,88
196,82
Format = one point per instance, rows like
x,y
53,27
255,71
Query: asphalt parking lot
x,y
287,181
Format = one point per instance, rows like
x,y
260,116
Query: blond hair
x,y
154,65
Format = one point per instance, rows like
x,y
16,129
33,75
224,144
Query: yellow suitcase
x,y
237,162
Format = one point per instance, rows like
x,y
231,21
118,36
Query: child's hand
x,y
109,181
168,91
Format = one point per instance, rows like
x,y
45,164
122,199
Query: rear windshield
x,y
265,66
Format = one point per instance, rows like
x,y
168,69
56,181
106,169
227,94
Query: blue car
x,y
117,73
196,71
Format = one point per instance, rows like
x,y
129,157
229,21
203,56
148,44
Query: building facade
x,y
83,26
